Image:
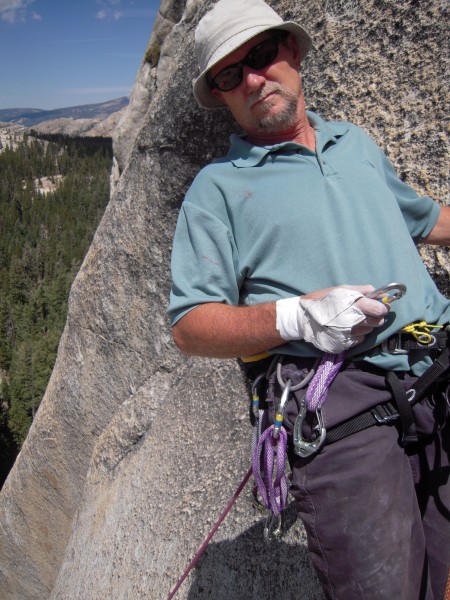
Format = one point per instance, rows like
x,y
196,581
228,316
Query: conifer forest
x,y
45,232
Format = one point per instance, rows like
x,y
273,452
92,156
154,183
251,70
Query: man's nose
x,y
252,79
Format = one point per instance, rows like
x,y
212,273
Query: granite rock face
x,y
136,449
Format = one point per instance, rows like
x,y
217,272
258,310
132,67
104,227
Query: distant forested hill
x,y
30,117
52,195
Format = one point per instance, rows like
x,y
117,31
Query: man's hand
x,y
333,319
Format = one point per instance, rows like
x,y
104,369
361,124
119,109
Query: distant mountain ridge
x,y
29,117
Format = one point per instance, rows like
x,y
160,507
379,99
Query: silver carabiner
x,y
280,412
255,394
303,447
273,527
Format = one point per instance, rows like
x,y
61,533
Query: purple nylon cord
x,y
272,483
318,388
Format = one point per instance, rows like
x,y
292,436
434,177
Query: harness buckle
x,y
411,395
383,419
393,345
302,446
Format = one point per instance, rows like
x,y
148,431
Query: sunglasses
x,y
259,56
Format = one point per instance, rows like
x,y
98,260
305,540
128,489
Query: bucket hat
x,y
226,27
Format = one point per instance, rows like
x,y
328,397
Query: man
x,y
276,250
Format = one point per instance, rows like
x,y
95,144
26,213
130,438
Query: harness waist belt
x,y
381,414
398,343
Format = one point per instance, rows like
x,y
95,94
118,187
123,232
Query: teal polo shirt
x,y
265,223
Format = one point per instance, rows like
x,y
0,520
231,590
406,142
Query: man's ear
x,y
217,94
293,47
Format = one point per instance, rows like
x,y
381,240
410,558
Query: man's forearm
x,y
332,319
223,331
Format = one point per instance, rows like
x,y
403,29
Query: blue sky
x,y
60,53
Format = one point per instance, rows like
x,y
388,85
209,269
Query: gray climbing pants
x,y
377,516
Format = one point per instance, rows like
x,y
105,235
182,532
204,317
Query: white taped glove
x,y
326,323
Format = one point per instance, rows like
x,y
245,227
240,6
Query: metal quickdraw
x,y
314,399
269,457
255,395
263,500
273,527
279,417
257,418
271,482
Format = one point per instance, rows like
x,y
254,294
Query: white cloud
x,y
116,10
108,9
13,11
36,16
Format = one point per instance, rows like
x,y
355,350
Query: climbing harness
x,y
269,446
387,413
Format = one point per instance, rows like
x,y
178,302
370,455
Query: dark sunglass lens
x,y
263,54
228,79
259,57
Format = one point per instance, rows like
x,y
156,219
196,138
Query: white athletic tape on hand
x,y
326,323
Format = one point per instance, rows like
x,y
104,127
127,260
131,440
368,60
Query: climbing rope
x,y
203,547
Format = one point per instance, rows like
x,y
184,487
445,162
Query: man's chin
x,y
274,122
272,114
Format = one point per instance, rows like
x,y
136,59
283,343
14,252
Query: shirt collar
x,y
243,154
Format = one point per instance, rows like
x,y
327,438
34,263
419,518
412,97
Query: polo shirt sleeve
x,y
420,212
204,262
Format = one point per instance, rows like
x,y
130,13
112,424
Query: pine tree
x,y
43,240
